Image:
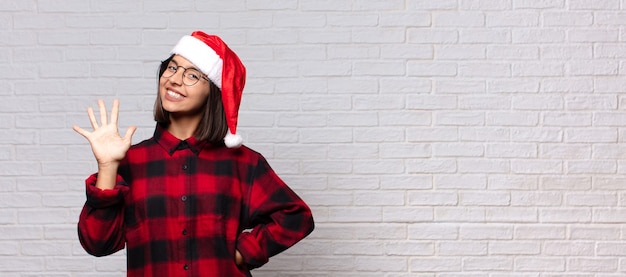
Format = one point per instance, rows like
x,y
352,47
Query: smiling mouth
x,y
174,95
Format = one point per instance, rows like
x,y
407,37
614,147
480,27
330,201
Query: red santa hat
x,y
213,57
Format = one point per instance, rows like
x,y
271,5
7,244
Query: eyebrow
x,y
191,67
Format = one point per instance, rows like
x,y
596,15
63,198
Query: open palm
x,y
106,143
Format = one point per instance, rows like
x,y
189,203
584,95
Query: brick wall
x,y
447,138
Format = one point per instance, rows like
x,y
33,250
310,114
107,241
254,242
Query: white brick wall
x,y
432,138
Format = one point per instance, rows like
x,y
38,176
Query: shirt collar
x,y
171,143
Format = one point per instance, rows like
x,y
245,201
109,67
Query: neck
x,y
183,127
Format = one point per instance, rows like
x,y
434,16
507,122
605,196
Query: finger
x,y
80,131
103,113
92,118
115,111
129,133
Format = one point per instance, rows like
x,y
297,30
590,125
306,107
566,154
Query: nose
x,y
177,78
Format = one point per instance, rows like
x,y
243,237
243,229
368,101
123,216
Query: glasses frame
x,y
166,71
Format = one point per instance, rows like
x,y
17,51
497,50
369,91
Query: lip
x,y
173,99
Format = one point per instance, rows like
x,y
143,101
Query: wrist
x,y
108,166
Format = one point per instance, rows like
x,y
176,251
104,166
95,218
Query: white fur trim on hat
x,y
202,56
233,141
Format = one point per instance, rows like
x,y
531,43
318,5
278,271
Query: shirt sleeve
x,y
100,225
278,217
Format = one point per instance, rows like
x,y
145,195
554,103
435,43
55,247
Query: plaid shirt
x,y
181,208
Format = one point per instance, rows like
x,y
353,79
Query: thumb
x,y
80,131
129,132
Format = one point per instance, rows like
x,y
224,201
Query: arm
x,y
101,220
277,216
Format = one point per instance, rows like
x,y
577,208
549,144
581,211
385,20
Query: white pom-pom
x,y
233,141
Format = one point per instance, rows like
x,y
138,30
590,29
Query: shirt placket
x,y
186,174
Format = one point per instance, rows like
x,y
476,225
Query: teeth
x,y
174,94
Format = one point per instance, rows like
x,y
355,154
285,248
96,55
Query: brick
x,y
512,182
353,86
594,264
432,166
322,36
540,264
484,199
484,102
512,19
471,36
457,150
379,135
388,35
429,231
464,118
460,52
515,248
565,151
512,119
543,35
402,214
409,248
540,232
513,86
483,166
460,87
404,118
352,151
435,264
405,151
563,215
19,264
432,199
430,5
594,5
413,182
486,232
453,248
488,5
488,264
458,19
536,199
405,19
424,36
459,214
379,167
477,134
539,102
598,232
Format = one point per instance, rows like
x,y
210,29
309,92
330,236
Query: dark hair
x,y
212,126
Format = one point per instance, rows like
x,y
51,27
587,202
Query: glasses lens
x,y
170,70
191,76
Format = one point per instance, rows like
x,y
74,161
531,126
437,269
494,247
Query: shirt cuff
x,y
251,251
99,198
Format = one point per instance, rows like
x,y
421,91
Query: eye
x,y
192,74
172,68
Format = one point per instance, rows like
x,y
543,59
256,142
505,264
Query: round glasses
x,y
191,76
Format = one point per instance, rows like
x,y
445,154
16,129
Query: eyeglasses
x,y
190,75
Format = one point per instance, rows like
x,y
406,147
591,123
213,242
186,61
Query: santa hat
x,y
213,57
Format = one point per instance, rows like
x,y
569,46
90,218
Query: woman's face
x,y
177,96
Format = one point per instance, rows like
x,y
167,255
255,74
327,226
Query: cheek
x,y
162,82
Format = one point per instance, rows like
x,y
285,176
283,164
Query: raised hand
x,y
106,143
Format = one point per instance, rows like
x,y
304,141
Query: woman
x,y
191,200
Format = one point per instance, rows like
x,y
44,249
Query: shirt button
x,y
184,198
186,267
184,232
185,167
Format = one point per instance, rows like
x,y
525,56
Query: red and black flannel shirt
x,y
181,208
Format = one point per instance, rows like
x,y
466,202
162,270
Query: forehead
x,y
181,61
